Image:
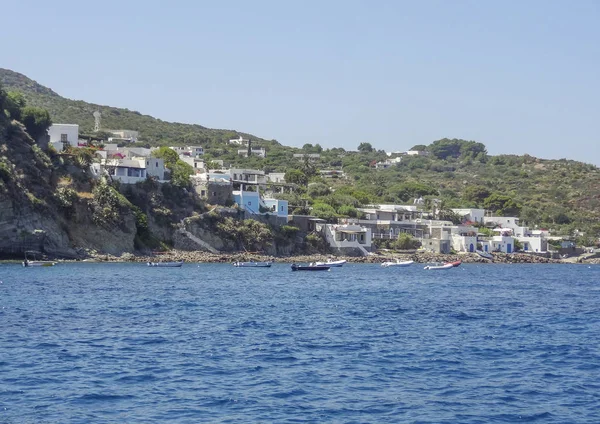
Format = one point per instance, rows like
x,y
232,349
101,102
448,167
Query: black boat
x,y
311,267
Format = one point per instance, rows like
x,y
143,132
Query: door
x,y
508,248
471,248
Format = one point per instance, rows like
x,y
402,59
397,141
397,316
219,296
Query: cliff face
x,y
31,217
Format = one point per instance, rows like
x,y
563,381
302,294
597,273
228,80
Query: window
x,y
63,138
157,164
202,193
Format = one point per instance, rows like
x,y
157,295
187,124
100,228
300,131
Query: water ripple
x,y
213,343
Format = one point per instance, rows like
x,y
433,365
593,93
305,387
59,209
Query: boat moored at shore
x,y
332,263
252,264
311,267
439,267
397,263
166,264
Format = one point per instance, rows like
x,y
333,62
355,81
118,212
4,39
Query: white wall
x,y
475,215
463,243
155,168
70,130
534,244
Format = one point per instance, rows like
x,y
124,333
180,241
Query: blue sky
x,y
520,77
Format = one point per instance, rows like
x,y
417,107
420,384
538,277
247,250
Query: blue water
x,y
101,343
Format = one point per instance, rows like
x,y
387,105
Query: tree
x,y
419,148
445,148
318,190
501,204
167,154
476,194
295,176
15,103
36,121
405,242
180,174
324,211
365,148
411,190
85,157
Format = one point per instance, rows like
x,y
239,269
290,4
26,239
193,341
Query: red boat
x,y
454,264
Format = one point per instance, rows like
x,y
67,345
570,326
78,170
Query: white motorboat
x,y
485,255
33,262
397,263
252,264
332,263
175,264
29,263
436,267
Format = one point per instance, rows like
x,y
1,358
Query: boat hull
x,y
38,263
310,268
336,264
438,267
252,264
405,263
485,255
166,264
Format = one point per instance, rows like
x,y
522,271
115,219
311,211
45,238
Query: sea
x,y
480,343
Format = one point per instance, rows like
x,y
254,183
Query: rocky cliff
x,y
35,213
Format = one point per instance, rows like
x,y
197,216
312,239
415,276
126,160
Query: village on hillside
x,y
254,191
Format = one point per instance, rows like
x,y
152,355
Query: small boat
x,y
252,264
29,263
311,267
485,255
175,264
397,263
435,267
332,263
454,264
33,262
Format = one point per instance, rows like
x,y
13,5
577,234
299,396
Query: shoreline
x,y
417,257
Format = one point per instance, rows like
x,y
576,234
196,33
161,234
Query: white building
x,y
508,222
348,237
470,214
123,135
188,151
63,135
390,212
417,153
130,171
261,153
248,176
388,163
533,244
276,177
194,162
241,141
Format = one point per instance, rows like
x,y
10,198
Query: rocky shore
x,y
418,257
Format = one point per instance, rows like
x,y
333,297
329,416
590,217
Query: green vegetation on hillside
x,y
561,194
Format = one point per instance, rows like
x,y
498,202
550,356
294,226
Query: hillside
x,y
152,131
560,194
